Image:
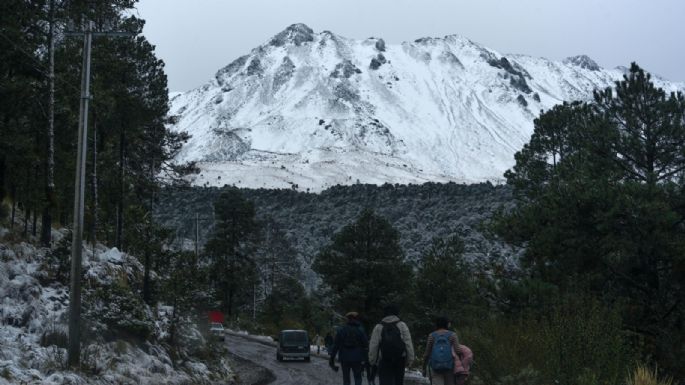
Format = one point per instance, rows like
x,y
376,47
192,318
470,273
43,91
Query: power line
x,y
37,65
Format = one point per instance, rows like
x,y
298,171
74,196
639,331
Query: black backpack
x,y
351,338
392,346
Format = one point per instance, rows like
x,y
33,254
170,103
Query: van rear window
x,y
294,338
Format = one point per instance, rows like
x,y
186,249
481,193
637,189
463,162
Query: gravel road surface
x,y
263,356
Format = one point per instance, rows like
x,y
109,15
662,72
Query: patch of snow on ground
x,y
32,312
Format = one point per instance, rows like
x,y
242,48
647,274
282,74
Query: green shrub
x,y
115,311
5,373
54,338
578,341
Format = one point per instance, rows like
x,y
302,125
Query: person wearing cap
x,y
350,346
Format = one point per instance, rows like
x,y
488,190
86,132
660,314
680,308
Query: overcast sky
x,y
197,37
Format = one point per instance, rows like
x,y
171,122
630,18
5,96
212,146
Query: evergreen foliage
x,y
420,213
365,265
600,192
129,113
443,272
229,250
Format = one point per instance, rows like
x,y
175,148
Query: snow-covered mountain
x,y
310,110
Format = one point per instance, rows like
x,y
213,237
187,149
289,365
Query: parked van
x,y
293,344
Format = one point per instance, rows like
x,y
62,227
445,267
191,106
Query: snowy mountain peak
x,y
297,34
582,61
310,110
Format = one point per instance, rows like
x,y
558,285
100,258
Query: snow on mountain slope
x,y
310,110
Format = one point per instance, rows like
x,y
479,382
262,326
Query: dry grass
x,y
642,375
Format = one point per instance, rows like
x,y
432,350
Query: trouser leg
x,y
399,373
391,373
357,372
442,378
345,372
385,374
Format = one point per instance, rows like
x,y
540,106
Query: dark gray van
x,y
293,344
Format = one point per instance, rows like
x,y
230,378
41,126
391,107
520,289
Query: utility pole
x,y
74,351
46,230
74,346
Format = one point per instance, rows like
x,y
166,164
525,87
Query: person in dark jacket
x,y
328,342
351,345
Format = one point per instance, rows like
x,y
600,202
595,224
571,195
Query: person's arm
x,y
429,349
336,345
454,341
406,337
373,344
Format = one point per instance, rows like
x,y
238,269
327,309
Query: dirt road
x,y
261,354
315,372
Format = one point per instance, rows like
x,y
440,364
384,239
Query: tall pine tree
x,y
365,266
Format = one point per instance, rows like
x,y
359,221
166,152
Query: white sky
x,y
197,37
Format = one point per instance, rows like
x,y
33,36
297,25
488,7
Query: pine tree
x,y
228,251
365,266
443,282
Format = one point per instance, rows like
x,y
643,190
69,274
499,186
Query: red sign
x,y
216,316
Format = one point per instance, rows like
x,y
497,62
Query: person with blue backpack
x,y
438,360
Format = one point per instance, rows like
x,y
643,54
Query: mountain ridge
x,y
310,110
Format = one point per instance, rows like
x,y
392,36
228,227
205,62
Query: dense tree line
x,y
308,221
129,147
600,194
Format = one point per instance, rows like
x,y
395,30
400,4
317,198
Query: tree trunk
x,y
148,255
50,174
27,214
94,225
172,327
2,177
35,222
14,205
120,203
147,261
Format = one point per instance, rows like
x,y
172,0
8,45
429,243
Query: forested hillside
x,y
419,212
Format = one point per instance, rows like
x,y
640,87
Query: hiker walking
x,y
328,342
318,341
391,349
463,359
442,349
351,345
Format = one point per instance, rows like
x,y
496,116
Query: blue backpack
x,y
441,356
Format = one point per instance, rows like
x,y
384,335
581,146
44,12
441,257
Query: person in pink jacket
x,y
462,364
